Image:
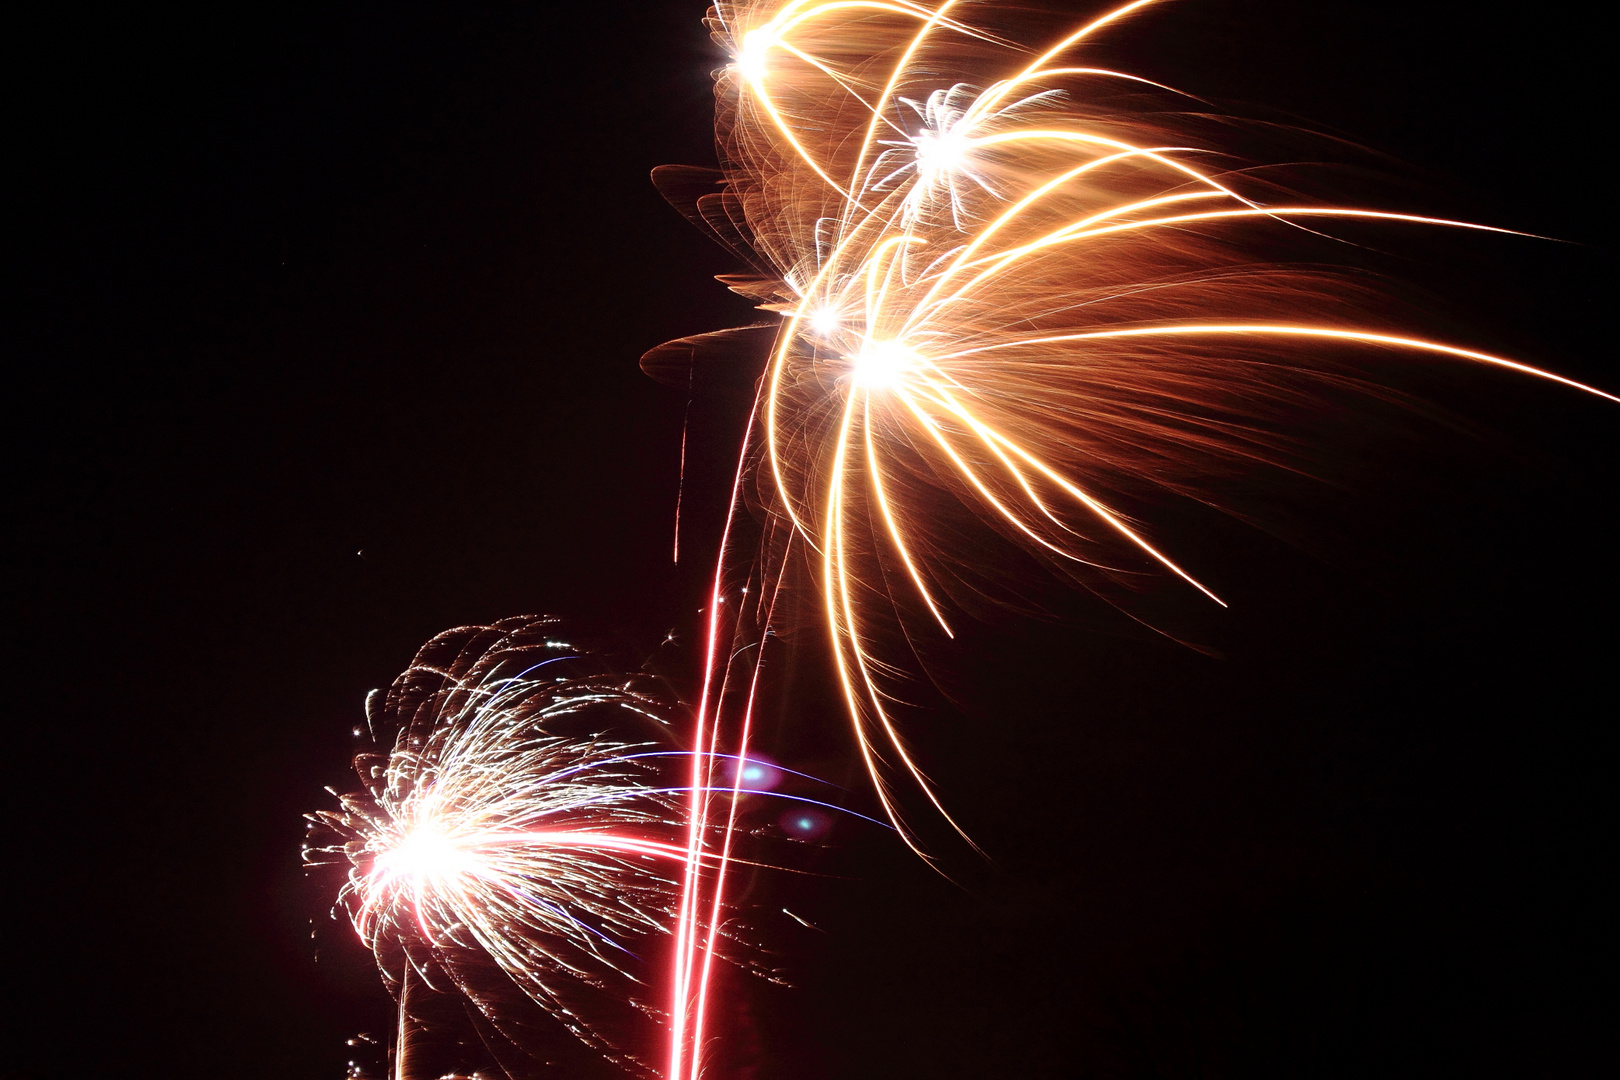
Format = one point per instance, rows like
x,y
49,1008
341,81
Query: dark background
x,y
327,340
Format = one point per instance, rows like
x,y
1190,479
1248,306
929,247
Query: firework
x,y
1008,279
513,838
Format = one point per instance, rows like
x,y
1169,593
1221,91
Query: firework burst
x,y
1013,281
513,837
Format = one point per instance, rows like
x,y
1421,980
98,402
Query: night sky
x,y
328,340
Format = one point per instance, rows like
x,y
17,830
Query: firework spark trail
x,y
691,975
1018,284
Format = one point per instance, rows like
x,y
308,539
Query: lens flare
x,y
1009,279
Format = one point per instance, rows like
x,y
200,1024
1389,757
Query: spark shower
x,y
1006,283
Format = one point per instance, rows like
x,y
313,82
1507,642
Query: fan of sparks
x,y
1014,279
511,838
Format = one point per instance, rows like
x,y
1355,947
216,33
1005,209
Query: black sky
x,y
328,331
